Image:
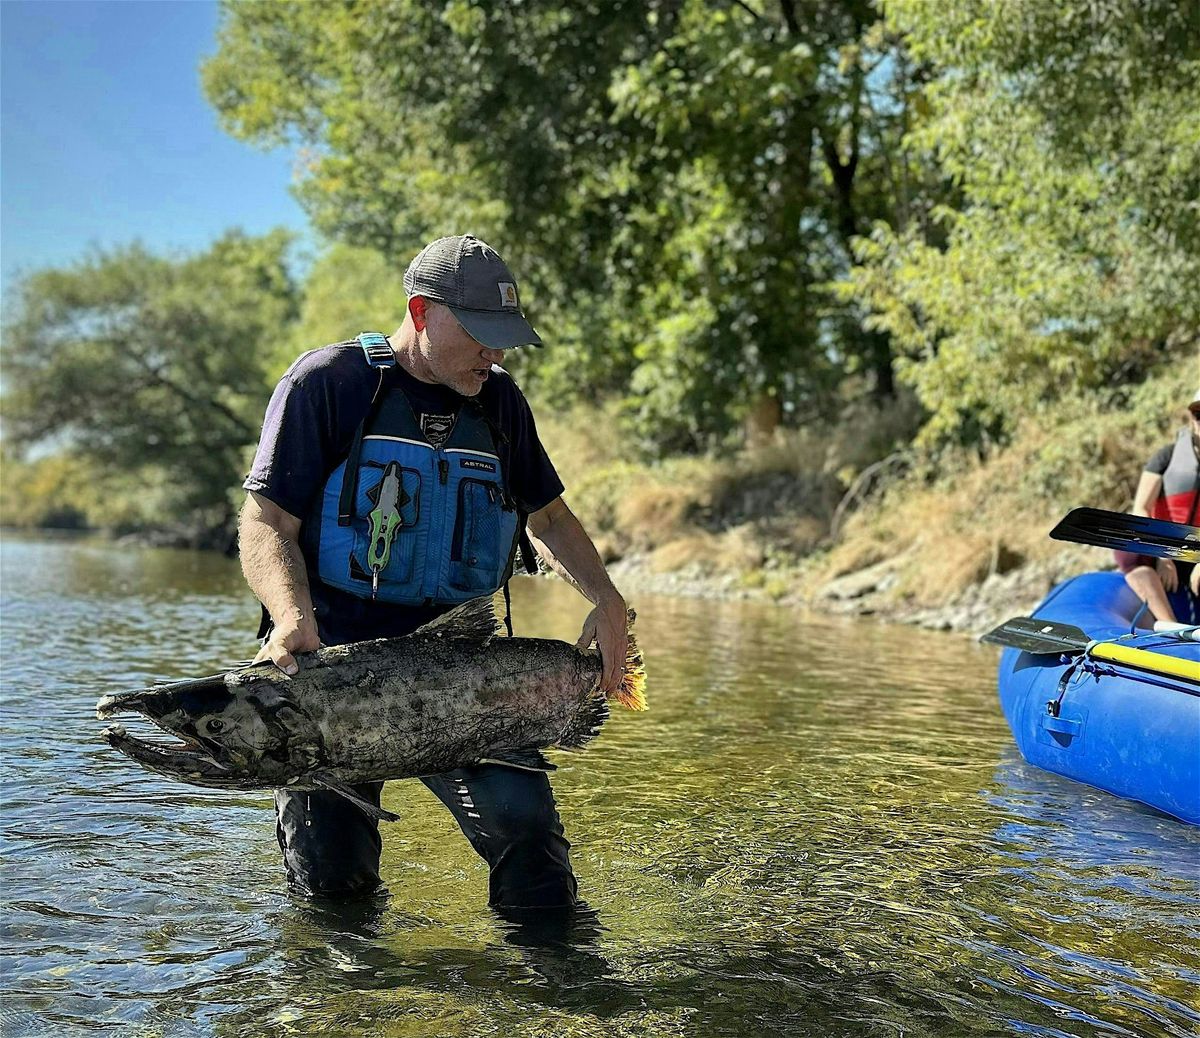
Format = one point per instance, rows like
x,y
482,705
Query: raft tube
x,y
1130,730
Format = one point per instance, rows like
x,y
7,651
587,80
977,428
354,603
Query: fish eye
x,y
215,725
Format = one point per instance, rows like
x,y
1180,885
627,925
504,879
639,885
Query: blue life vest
x,y
458,528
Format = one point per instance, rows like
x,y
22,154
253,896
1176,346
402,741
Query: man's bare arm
x,y
269,540
571,550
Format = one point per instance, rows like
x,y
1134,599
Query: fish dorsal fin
x,y
473,621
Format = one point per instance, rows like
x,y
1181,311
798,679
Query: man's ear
x,y
419,309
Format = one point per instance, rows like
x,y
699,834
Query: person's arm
x,y
1148,489
269,543
571,550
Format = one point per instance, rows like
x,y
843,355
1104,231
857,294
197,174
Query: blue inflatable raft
x,y
1124,721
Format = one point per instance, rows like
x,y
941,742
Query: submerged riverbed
x,y
820,828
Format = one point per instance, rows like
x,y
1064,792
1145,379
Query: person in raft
x,y
394,479
1169,489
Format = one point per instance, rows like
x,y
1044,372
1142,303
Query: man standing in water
x,y
392,481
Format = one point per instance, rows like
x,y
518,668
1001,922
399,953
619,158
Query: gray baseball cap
x,y
471,279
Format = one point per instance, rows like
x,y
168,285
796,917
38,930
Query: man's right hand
x,y
294,634
1168,574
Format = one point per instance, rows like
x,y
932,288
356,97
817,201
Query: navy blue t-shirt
x,y
308,430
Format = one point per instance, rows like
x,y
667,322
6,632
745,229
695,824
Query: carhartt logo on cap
x,y
508,294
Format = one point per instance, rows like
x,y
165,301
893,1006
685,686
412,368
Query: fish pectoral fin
x,y
526,760
369,809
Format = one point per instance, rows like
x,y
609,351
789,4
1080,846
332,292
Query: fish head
x,y
232,732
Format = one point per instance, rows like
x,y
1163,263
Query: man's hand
x,y
294,634
605,625
1168,574
1194,582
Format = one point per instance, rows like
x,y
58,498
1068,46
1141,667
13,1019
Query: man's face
x,y
454,358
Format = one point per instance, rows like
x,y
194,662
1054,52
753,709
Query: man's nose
x,y
492,356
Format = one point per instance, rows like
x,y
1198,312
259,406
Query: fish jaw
x,y
186,760
230,733
110,706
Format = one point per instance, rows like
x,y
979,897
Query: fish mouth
x,y
182,758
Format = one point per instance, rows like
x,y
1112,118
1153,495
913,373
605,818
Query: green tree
x,y
1073,262
131,361
347,291
677,180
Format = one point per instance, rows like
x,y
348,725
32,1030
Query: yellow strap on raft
x,y
1155,662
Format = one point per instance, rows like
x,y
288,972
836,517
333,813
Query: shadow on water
x,y
1055,821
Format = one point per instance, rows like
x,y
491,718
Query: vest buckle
x,y
377,350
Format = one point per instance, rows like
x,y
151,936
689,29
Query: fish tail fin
x,y
632,692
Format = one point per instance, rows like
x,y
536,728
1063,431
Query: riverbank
x,y
857,519
869,593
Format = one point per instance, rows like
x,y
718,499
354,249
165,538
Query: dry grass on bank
x,y
764,514
938,536
757,510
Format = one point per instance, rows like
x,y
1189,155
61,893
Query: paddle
x,y
1045,637
1135,533
1038,636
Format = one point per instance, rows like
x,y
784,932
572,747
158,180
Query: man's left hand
x,y
605,625
1194,580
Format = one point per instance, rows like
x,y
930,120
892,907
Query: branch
x,y
788,9
749,10
862,486
194,400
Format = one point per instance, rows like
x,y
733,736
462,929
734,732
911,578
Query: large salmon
x,y
451,694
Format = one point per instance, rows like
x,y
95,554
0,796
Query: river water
x,y
820,828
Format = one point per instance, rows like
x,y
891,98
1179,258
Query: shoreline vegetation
x,y
847,302
852,520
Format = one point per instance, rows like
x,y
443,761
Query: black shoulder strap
x,y
380,356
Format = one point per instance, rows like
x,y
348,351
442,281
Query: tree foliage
x,y
129,360
348,290
1073,262
676,180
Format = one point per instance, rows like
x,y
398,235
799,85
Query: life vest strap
x,y
377,349
379,355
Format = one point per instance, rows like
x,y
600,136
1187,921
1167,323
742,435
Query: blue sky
x,y
106,136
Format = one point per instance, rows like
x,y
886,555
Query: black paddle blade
x,y
1135,533
1038,636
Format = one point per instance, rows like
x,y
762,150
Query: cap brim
x,y
496,329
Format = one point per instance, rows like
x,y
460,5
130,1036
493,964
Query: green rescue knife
x,y
386,520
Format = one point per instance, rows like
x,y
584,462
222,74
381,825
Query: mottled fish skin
x,y
423,705
448,696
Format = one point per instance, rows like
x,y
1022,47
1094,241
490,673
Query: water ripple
x,y
820,827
